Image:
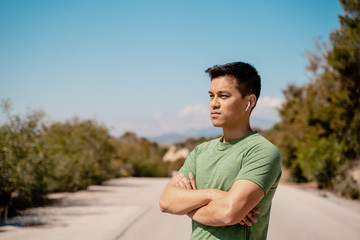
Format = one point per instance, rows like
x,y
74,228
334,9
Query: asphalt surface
x,y
127,208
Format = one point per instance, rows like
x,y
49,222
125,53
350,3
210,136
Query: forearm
x,y
232,207
177,200
224,208
216,213
225,211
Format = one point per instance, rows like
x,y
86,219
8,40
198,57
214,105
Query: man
x,y
232,177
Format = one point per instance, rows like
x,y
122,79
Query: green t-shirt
x,y
216,164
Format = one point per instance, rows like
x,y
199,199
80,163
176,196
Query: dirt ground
x,y
127,208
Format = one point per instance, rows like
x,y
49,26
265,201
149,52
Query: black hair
x,y
247,78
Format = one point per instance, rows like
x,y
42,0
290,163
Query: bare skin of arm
x,y
181,200
232,207
201,216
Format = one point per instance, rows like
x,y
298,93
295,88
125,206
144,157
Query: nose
x,y
214,103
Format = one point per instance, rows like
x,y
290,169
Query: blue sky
x,y
139,65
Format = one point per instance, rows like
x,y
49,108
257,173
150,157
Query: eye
x,y
224,96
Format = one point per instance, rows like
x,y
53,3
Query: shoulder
x,y
258,142
260,149
206,145
200,149
261,163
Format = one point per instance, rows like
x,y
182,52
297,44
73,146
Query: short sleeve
x,y
262,166
189,164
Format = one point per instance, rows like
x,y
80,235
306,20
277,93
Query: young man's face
x,y
227,106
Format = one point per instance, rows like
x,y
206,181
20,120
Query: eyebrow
x,y
220,92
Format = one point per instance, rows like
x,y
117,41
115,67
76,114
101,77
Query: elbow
x,y
229,219
230,216
168,207
164,207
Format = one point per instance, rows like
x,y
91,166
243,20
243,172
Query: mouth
x,y
214,113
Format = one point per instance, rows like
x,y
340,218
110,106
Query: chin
x,y
217,124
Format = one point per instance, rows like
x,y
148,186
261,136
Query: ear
x,y
252,99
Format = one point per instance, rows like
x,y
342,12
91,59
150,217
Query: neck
x,y
231,134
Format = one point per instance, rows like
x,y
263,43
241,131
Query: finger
x,y
247,221
252,217
242,222
179,181
192,181
256,210
185,181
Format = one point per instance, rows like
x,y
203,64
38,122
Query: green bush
x,y
319,131
38,158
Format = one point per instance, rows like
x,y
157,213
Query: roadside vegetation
x,y
319,131
37,158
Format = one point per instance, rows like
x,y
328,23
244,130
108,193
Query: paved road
x,y
127,209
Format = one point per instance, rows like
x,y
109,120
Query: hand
x,y
183,182
250,217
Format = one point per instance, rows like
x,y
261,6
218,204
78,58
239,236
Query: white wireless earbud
x,y
247,107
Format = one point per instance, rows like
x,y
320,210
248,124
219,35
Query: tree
x,y
319,131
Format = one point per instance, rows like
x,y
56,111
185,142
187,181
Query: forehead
x,y
228,83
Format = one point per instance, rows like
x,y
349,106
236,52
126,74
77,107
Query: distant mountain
x,y
171,138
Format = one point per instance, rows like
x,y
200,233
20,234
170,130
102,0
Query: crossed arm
x,y
212,207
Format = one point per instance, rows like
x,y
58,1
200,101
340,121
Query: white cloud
x,y
190,117
159,115
198,110
265,114
193,116
197,116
